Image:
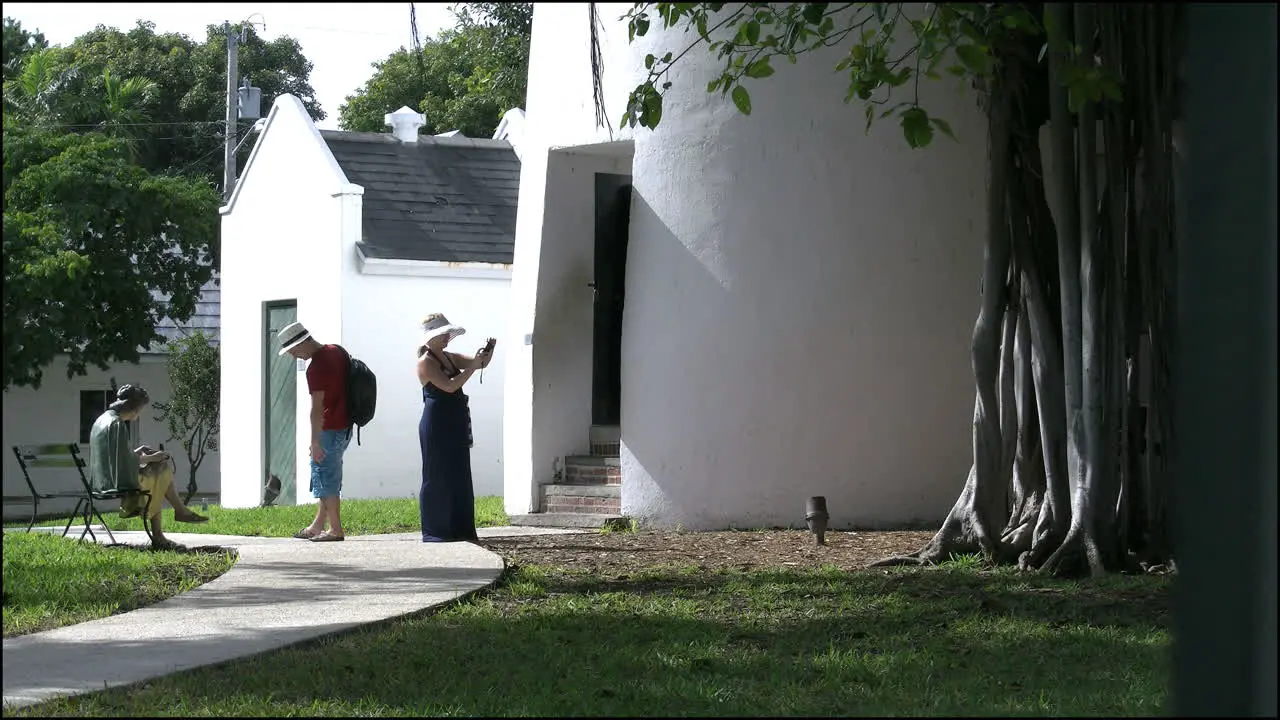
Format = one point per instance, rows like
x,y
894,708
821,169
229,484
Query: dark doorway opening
x,y
613,220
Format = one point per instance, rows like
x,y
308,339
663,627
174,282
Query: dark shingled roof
x,y
447,199
207,318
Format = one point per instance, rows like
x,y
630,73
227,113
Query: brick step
x,y
569,520
592,470
582,499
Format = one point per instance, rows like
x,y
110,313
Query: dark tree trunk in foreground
x,y
1070,470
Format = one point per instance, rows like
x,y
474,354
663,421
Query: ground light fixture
x,y
815,514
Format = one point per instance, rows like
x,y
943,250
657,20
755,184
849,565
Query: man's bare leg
x,y
335,516
322,512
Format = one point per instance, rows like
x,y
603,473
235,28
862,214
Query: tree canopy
x,y
18,43
464,79
111,148
88,235
183,107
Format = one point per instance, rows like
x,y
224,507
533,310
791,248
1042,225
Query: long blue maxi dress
x,y
446,499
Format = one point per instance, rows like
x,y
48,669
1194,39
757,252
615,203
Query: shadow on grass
x,y
744,644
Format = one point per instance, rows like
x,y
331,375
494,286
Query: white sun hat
x,y
291,336
437,324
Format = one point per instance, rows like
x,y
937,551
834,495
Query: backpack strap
x,y
349,366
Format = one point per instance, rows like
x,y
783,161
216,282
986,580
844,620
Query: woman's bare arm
x,y
429,371
461,361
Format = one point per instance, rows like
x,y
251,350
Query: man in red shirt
x,y
330,426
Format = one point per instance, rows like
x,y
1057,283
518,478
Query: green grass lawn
x,y
678,641
359,517
51,581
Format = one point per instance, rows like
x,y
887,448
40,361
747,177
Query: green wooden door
x,y
280,408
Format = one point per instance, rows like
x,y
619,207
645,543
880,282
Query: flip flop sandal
x,y
305,534
326,537
193,518
168,544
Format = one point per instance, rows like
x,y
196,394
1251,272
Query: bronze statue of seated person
x,y
114,466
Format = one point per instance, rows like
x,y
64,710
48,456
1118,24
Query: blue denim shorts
x,y
326,475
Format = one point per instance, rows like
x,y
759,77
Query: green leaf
x,y
813,12
751,32
1075,98
957,70
641,25
944,126
652,114
742,99
916,127
974,58
760,68
870,113
648,61
701,24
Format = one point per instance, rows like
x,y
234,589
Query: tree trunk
x,y
191,482
1058,23
1028,462
1059,436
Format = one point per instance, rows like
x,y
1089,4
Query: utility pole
x,y
233,106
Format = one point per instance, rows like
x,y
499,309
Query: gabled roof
x,y
286,111
446,199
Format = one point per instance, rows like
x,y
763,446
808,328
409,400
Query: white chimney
x,y
405,123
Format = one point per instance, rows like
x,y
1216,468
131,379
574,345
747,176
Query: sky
x,y
341,40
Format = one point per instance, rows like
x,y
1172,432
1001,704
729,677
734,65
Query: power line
x,y
144,124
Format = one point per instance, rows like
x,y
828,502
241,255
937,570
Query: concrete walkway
x,y
280,592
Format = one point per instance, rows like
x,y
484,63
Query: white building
x,y
63,409
359,236
799,295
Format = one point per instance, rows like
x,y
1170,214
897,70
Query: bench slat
x,y
67,462
63,449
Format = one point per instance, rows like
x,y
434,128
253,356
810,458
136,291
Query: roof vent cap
x,y
405,123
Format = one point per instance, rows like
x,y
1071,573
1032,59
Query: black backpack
x,y
362,393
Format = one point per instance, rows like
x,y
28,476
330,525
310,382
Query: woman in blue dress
x,y
446,499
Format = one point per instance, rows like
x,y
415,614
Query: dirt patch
x,y
622,553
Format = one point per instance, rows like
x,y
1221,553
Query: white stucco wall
x,y
800,296
282,238
385,303
52,414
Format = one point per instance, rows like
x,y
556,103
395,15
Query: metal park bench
x,y
63,457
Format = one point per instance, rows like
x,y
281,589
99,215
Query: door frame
x,y
264,407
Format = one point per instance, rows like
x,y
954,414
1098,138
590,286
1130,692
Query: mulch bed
x,y
621,553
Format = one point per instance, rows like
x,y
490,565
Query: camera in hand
x,y
488,347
